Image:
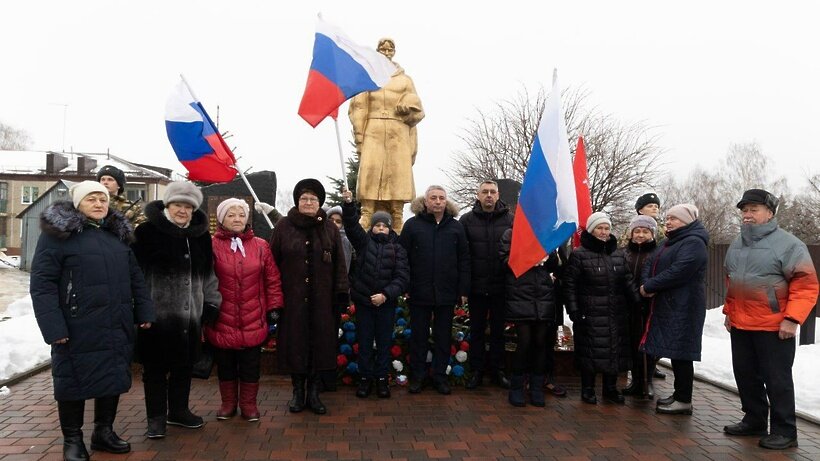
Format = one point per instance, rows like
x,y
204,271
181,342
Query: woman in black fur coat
x,y
174,250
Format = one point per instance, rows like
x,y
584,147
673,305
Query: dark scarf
x,y
592,243
314,225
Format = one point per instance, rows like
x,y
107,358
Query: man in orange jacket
x,y
772,288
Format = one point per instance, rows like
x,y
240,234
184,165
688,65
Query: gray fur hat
x,y
182,191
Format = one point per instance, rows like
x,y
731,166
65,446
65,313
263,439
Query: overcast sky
x,y
702,74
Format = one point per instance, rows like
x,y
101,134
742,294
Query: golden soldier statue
x,y
384,124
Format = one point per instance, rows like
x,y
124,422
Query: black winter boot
x,y
588,395
537,391
297,403
383,388
313,401
179,392
104,438
611,392
516,395
365,388
475,380
71,423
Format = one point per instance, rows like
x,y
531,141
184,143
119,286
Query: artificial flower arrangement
x,y
348,352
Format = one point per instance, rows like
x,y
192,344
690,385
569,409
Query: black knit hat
x,y
312,185
760,196
115,173
646,199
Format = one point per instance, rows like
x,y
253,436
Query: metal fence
x,y
716,286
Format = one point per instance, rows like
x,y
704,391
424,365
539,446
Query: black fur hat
x,y
309,184
115,173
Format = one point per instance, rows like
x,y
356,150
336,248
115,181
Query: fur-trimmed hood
x,y
61,220
418,208
198,226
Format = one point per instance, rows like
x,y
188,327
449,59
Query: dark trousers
x,y
762,363
482,309
530,347
684,371
166,389
238,363
608,382
375,323
420,320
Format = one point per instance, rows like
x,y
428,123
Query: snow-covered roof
x,y
34,162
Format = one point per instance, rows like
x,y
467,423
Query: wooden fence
x,y
716,286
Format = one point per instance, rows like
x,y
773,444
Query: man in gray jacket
x,y
772,287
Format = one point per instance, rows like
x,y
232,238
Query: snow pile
x,y
9,262
21,344
716,363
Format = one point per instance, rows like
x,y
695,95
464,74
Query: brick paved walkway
x,y
475,425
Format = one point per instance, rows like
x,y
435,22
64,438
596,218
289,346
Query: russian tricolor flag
x,y
340,70
547,212
195,139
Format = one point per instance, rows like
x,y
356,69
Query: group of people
x,y
104,291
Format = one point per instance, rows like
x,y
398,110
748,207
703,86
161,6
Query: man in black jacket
x,y
439,279
484,226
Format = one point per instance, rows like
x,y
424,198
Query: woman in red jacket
x,y
251,294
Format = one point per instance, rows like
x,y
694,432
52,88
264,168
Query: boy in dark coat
x,y
382,275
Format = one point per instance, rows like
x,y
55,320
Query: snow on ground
x,y
21,344
716,363
9,262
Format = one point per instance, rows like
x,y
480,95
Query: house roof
x,y
34,163
65,183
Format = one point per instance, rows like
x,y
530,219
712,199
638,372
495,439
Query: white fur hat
x,y
597,218
78,191
227,204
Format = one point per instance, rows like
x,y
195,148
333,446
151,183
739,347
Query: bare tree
x,y
716,193
801,214
706,190
12,138
622,159
284,199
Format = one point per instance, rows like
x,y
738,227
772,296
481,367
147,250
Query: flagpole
x,y
253,193
341,155
241,173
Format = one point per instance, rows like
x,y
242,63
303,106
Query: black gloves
x,y
210,314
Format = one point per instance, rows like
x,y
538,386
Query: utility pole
x,y
65,117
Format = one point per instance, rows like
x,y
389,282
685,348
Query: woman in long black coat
x,y
308,249
598,291
531,302
674,279
88,292
174,250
